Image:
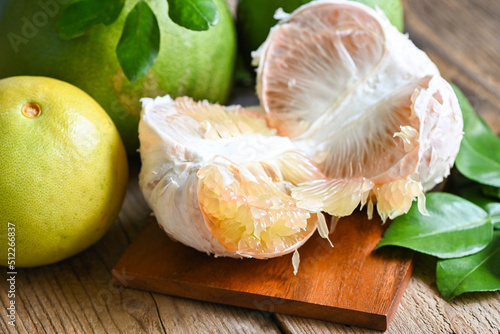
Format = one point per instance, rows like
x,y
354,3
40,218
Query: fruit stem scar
x,y
31,110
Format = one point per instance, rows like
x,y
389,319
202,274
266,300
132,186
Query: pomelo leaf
x,y
488,204
81,15
196,15
478,272
455,227
479,155
140,42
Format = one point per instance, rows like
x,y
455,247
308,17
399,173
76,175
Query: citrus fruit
x,y
198,64
218,179
368,107
256,17
63,174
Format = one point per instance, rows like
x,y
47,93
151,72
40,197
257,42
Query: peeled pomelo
x,y
199,64
355,114
219,180
368,107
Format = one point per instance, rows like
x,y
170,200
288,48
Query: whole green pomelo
x,y
255,18
198,64
63,171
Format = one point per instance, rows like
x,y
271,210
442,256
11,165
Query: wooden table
x,y
77,295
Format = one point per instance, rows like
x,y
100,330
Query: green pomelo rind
x,y
197,64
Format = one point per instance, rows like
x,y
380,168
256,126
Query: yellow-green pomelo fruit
x,y
256,18
63,171
198,64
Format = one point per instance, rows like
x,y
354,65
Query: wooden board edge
x,y
399,294
256,302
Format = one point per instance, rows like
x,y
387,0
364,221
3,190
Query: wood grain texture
x,y
350,283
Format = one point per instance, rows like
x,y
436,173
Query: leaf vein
x,y
474,269
199,11
452,229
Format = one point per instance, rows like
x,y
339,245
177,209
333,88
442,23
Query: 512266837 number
x,y
11,233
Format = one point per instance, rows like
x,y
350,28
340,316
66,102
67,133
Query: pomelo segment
x,y
311,60
219,180
256,17
368,107
249,213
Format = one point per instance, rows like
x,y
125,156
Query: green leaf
x,y
489,205
479,155
478,272
193,14
454,228
140,42
81,15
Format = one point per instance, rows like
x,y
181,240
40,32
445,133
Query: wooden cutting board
x,y
350,283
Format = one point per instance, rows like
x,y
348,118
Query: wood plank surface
x,y
77,295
